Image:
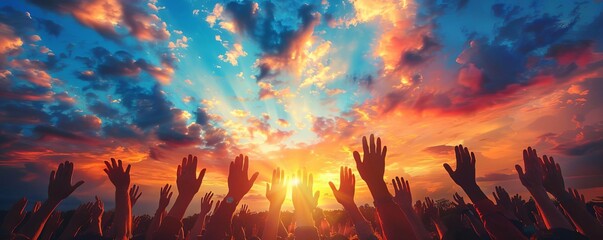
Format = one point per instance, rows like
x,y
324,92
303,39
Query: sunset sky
x,y
296,84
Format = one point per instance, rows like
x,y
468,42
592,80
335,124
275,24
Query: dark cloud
x,y
103,110
149,108
278,42
46,132
415,57
201,117
496,177
440,150
51,27
528,34
101,16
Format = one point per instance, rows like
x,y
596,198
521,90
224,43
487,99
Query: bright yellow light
x,y
294,181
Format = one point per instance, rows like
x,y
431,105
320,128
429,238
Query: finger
x,y
395,186
120,165
253,177
379,150
357,159
519,172
267,189
108,165
311,181
246,165
77,185
333,188
201,176
457,154
384,152
128,169
448,169
365,147
372,143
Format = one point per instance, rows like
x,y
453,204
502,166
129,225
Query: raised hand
x,y
118,176
165,194
502,198
372,164
60,186
576,196
532,178
244,211
186,179
134,194
459,201
304,201
402,196
14,216
54,222
276,192
552,178
431,210
464,175
239,183
206,204
97,209
347,183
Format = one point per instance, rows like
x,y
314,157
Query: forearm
x,y
71,230
440,227
363,228
272,222
219,224
585,223
123,213
394,223
154,223
198,226
416,222
33,227
552,217
477,225
180,205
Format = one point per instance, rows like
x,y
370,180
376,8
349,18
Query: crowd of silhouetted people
x,y
392,216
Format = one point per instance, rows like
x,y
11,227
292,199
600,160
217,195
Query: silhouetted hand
x,y
14,216
431,210
276,192
402,196
216,207
347,183
459,201
576,196
118,176
464,175
54,222
206,203
532,178
238,182
97,210
372,164
165,194
552,178
187,181
60,186
244,211
83,214
502,198
134,194
303,200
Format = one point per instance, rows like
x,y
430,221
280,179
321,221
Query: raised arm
x,y
532,179
59,188
576,209
503,201
206,204
188,185
165,194
433,213
371,167
275,193
135,194
345,196
239,184
470,215
13,218
497,225
304,203
123,210
403,198
81,217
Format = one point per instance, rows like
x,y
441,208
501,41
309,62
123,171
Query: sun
x,y
294,181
